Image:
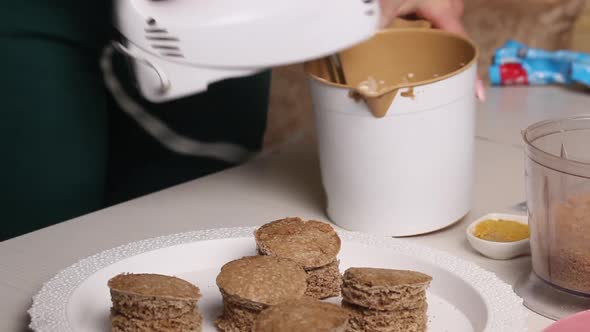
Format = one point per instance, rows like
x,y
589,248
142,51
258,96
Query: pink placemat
x,y
579,322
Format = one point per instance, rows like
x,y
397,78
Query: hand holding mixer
x,y
179,47
377,172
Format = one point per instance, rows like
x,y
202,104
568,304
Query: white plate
x,y
462,297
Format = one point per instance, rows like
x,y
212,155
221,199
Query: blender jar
x,y
558,196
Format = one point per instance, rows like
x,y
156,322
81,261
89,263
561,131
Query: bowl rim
x,y
438,32
549,156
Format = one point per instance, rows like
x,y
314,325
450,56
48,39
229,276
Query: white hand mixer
x,y
179,47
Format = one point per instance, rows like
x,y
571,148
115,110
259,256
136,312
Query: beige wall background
x,y
581,34
549,24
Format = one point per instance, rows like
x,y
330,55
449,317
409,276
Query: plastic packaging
x,y
517,64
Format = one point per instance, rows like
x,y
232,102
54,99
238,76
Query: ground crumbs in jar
x,y
569,253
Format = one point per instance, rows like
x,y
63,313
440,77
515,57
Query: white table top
x,y
283,183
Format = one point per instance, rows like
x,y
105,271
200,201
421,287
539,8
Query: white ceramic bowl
x,y
408,173
499,250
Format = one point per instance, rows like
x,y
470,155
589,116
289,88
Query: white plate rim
x,y
48,311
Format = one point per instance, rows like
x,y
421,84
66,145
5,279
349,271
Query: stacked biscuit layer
x,y
383,300
312,244
252,284
153,302
306,314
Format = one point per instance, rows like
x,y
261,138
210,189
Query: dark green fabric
x,y
70,149
232,111
54,125
86,24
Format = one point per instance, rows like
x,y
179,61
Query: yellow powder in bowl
x,y
499,230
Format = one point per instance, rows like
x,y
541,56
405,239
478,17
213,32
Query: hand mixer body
x,y
179,47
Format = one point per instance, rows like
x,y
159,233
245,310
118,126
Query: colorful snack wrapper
x,y
517,64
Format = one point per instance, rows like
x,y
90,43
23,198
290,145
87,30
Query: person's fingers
x,y
453,24
480,90
449,18
445,19
389,10
410,6
459,7
443,14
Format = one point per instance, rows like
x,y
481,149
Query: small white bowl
x,y
499,250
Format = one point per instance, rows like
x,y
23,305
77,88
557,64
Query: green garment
x,y
70,149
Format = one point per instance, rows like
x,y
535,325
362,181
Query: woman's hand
x,y
443,14
390,9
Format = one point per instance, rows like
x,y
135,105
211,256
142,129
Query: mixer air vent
x,y
370,11
162,41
